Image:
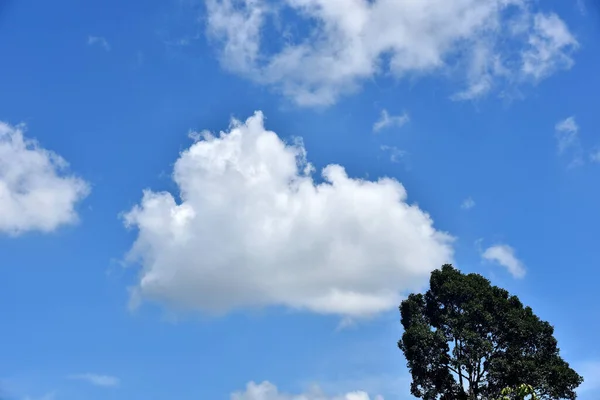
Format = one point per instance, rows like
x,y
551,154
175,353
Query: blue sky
x,y
142,257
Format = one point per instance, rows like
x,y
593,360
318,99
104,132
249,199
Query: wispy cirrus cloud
x,y
548,40
568,141
395,153
98,41
97,379
47,396
567,134
388,121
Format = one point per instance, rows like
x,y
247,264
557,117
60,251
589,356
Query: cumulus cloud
x,y
252,228
97,380
468,203
329,48
387,121
504,255
36,192
98,41
268,391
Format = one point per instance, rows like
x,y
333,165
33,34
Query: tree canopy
x,y
466,339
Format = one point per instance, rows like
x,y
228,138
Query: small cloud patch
x,y
388,121
97,380
98,41
36,191
468,203
504,255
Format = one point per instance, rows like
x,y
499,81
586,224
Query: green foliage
x,y
519,394
465,339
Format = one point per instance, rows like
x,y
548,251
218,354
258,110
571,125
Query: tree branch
x,y
478,376
452,369
458,351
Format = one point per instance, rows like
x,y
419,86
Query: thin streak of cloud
x,y
387,121
99,41
568,141
395,153
97,379
47,396
567,134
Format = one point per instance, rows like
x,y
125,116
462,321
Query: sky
x,y
228,199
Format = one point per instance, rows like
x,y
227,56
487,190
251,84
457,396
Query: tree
x,y
465,339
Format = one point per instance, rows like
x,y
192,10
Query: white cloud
x,y
388,385
567,134
550,46
254,229
483,68
468,203
396,154
339,44
97,380
268,391
47,396
388,121
568,142
100,41
505,256
36,194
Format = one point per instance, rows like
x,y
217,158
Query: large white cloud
x,y
254,229
268,391
35,192
329,47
